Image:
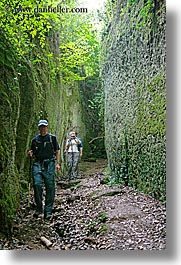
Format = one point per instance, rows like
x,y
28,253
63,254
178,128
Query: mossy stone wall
x,y
30,90
9,115
134,80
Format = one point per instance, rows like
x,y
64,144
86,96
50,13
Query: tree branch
x,y
98,137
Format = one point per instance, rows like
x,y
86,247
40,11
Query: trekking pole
x,y
29,195
29,182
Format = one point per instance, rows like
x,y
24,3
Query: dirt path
x,y
92,215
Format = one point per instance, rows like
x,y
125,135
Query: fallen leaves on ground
x,y
90,215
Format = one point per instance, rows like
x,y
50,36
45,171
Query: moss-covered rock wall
x,y
9,115
134,80
30,90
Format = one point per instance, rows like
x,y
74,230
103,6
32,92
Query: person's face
x,y
43,129
72,134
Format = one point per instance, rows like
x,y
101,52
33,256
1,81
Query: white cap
x,y
43,122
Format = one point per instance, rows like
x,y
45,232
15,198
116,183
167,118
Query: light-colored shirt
x,y
73,145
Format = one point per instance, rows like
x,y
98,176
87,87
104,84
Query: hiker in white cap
x,y
45,152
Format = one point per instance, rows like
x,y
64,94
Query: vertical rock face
x,y
9,116
134,77
28,92
43,95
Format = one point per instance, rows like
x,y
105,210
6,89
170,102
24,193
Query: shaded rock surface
x,y
91,215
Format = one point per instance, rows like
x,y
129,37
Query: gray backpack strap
x,y
50,135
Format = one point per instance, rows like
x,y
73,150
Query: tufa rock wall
x,y
134,80
29,90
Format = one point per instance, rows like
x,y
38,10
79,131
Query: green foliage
x,y
97,104
145,13
21,24
97,226
109,11
78,49
105,180
102,218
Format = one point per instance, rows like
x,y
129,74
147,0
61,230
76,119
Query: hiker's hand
x,y
57,167
30,153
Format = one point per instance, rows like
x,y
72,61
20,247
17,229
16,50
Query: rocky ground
x,y
90,214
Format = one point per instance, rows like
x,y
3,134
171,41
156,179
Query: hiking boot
x,y
48,217
37,214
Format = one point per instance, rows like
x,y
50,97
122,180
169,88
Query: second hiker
x,y
73,156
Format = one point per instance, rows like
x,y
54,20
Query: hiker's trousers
x,y
72,161
43,175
